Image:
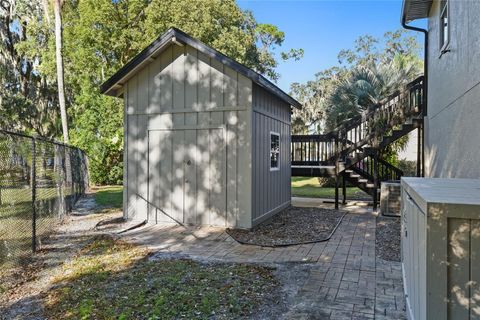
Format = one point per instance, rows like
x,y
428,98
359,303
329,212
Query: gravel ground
x,y
294,225
388,238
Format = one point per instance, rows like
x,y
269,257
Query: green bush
x,y
326,182
408,167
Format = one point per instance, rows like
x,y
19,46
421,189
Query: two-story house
x,y
452,117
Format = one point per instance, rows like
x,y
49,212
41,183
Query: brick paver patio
x,y
345,279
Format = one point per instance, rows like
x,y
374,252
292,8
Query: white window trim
x,y
273,133
444,48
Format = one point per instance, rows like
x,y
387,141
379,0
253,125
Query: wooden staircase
x,y
351,151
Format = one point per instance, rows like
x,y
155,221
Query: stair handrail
x,y
366,117
340,139
385,169
398,172
417,83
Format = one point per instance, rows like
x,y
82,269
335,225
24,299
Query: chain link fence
x,y
40,181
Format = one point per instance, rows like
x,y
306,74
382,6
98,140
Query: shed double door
x,y
187,176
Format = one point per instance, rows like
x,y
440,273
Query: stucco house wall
x,y
452,126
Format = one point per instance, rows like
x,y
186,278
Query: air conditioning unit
x,y
390,198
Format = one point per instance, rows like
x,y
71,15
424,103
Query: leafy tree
x,y
99,36
368,73
28,99
315,95
369,50
367,85
57,5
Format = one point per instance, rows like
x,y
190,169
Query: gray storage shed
x,y
207,140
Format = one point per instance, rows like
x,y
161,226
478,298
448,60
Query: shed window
x,y
274,151
444,26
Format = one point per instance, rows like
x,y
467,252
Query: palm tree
x,y
368,85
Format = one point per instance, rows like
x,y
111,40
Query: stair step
x,y
363,180
370,185
354,175
348,171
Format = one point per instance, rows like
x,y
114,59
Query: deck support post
x,y
344,189
337,151
419,151
336,191
375,180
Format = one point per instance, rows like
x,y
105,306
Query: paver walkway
x,y
345,280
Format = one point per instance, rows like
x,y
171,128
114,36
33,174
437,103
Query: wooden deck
x,y
352,151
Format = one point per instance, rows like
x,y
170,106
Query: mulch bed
x,y
387,242
292,226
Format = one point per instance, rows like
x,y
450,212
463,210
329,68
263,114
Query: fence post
x,y
375,180
337,169
34,196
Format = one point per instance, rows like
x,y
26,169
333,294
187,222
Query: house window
x,y
444,26
274,151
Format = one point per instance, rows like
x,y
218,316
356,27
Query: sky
x,y
323,28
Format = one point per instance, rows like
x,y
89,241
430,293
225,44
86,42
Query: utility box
x,y
390,198
441,248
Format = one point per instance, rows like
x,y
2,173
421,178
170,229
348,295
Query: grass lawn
x,y
112,196
309,187
16,219
109,196
110,279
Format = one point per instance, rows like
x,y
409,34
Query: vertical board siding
x,y
269,104
463,269
231,119
475,269
142,164
203,110
191,78
187,176
271,189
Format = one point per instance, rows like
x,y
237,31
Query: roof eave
x,y
112,85
415,9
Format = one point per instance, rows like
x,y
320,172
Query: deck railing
x,y
365,129
311,150
385,171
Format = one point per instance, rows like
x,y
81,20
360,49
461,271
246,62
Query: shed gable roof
x,y
114,83
415,9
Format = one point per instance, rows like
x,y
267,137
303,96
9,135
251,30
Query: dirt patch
x,y
22,284
106,280
387,242
294,225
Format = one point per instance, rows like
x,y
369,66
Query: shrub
x,y
408,167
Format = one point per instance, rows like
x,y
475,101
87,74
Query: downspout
x,y
425,84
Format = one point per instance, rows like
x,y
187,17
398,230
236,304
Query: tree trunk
x,y
61,89
60,76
